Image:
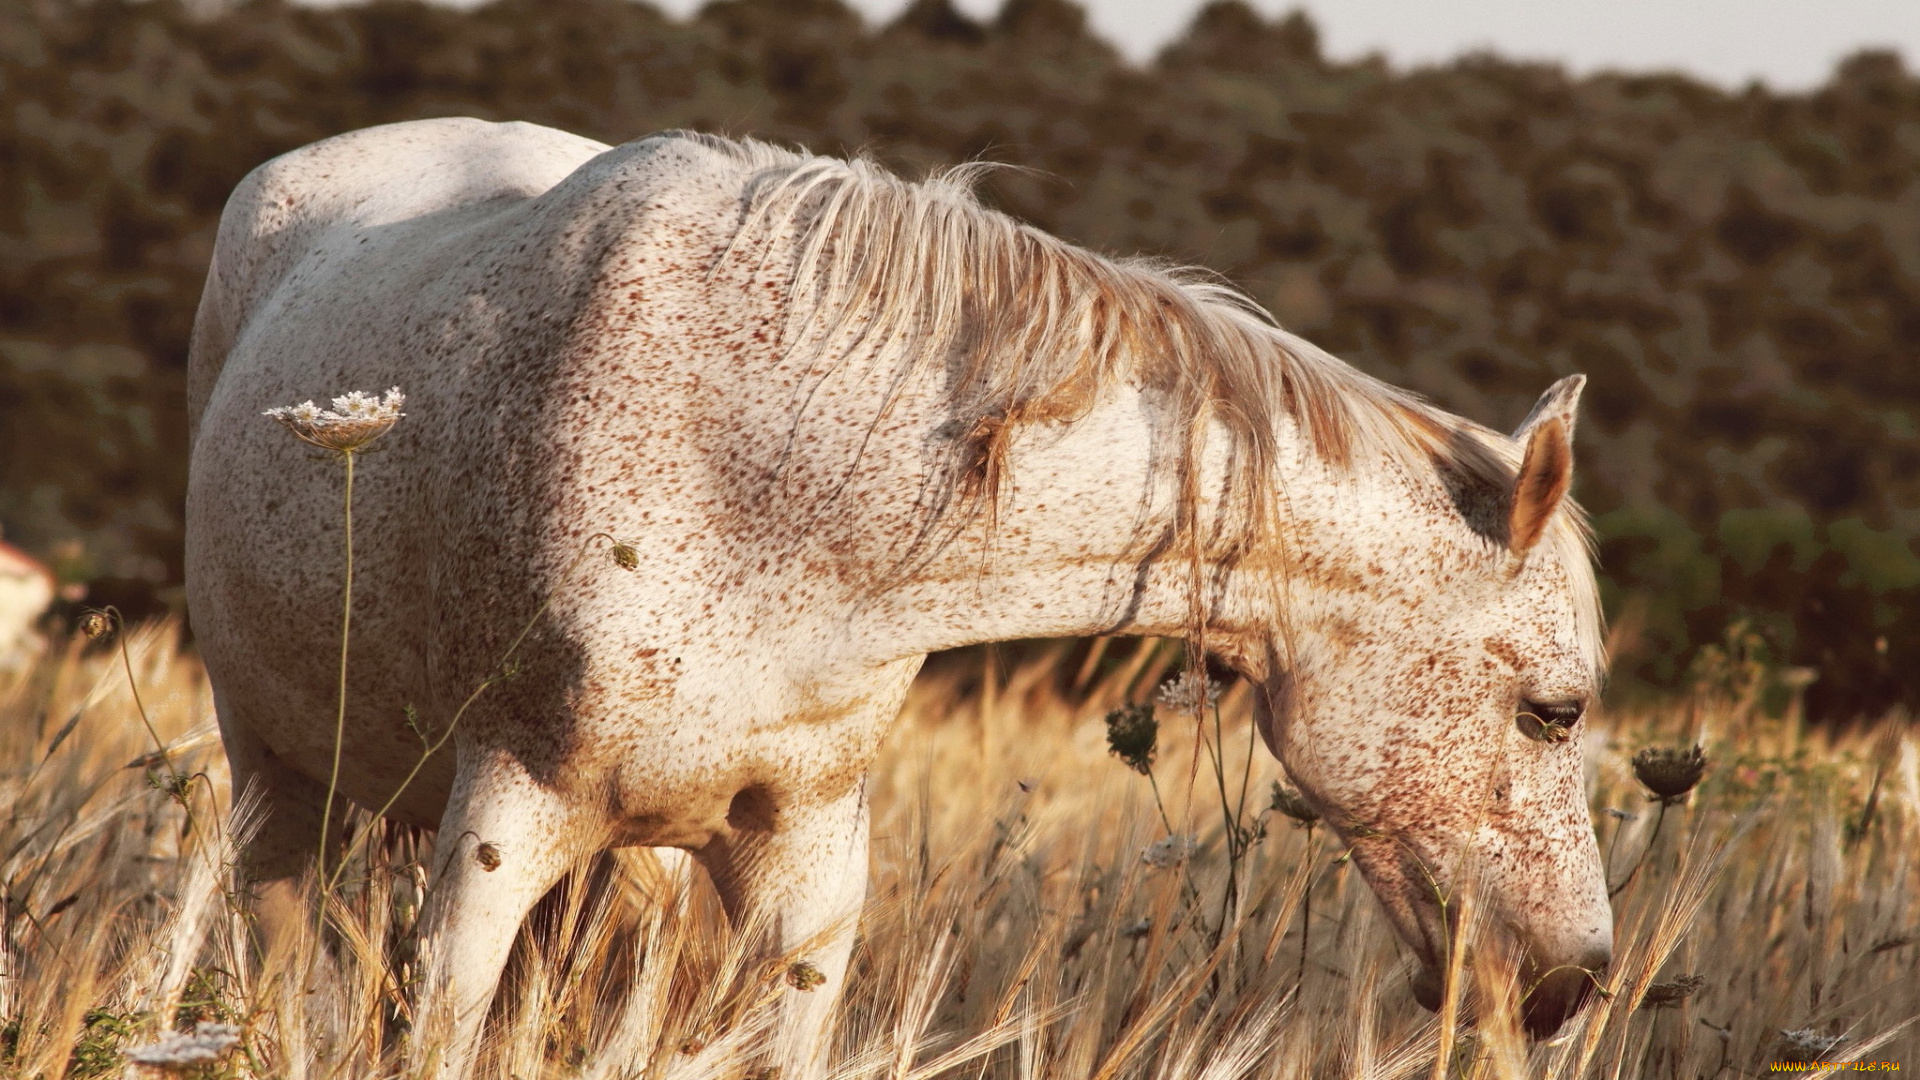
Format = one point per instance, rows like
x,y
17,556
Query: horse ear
x,y
1546,468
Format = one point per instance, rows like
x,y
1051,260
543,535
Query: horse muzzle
x,y
1559,993
1550,999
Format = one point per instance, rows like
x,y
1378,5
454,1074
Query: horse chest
x,y
682,777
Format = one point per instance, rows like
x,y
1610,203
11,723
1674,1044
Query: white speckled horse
x,y
844,420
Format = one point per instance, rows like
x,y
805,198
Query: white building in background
x,y
26,588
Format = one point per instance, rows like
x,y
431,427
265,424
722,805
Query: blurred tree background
x,y
1738,273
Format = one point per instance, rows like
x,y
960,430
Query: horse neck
x,y
1071,547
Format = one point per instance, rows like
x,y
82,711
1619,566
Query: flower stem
x,y
133,687
340,715
1306,919
1230,819
1640,860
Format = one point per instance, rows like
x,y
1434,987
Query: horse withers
x,y
838,420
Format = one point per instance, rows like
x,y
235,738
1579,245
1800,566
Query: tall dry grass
x,y
1013,929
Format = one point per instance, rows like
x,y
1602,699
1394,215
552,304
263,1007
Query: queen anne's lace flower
x,y
1183,693
355,420
206,1043
1806,1044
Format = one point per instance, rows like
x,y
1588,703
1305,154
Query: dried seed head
x,y
625,557
1131,734
1293,804
1669,995
95,624
803,976
1190,689
355,420
1805,1044
487,855
177,785
1670,774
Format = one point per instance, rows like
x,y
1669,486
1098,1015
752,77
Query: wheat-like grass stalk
x,y
1013,931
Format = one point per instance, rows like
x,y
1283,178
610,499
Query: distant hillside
x,y
1738,273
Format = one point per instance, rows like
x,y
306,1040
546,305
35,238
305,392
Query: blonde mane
x,y
1029,328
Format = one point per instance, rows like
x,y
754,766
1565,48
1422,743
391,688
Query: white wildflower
x,y
355,420
1183,693
1170,852
367,406
206,1043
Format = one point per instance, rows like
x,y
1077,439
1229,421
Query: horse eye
x,y
1549,721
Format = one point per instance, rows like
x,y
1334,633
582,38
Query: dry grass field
x,y
1014,928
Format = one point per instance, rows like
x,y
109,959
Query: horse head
x,y
1432,709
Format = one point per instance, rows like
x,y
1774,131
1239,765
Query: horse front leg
x,y
801,873
504,840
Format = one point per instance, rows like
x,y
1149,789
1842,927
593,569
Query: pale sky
x,y
1789,44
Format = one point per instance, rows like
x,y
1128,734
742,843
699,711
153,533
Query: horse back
x,y
284,210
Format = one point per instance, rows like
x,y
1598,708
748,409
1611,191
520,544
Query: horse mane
x,y
1031,329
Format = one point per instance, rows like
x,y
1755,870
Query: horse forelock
x,y
1030,328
